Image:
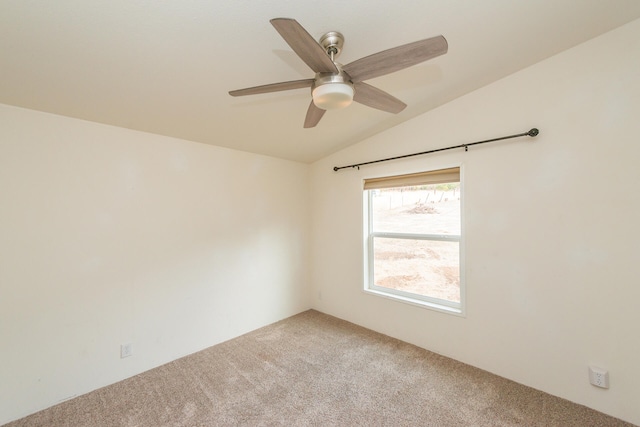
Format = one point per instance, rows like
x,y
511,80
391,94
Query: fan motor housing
x,y
328,78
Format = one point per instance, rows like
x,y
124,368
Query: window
x,y
413,238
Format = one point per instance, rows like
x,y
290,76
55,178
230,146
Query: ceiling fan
x,y
336,85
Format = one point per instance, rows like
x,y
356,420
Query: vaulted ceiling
x,y
166,67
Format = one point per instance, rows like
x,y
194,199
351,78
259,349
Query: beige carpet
x,y
316,370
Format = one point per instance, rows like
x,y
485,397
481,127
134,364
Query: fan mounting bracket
x,y
332,43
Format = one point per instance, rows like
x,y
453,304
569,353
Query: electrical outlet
x,y
599,377
126,350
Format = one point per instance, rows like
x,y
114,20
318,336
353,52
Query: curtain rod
x,y
533,132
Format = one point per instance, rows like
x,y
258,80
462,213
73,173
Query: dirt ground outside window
x,y
423,267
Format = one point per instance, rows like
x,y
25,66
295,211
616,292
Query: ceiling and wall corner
x,y
166,67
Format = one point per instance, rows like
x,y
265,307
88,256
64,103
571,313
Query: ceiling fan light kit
x,y
335,86
332,96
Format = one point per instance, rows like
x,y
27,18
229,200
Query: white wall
x,y
111,236
551,225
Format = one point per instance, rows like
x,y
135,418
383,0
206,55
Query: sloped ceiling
x,y
166,67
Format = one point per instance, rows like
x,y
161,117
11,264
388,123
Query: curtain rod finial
x,y
533,132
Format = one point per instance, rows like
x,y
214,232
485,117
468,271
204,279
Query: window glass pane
x,y
424,267
428,209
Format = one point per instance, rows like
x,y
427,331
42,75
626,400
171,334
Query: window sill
x,y
420,303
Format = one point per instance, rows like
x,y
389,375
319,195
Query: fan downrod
x,y
332,43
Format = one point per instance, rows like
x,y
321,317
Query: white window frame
x,y
433,303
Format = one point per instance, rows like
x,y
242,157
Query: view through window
x,y
413,237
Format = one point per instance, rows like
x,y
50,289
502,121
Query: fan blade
x,y
273,87
314,114
395,59
304,45
375,98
